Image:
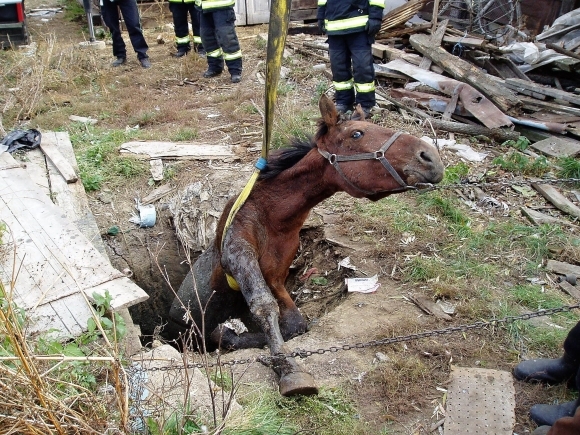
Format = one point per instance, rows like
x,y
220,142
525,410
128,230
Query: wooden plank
x,y
504,98
158,193
56,254
435,40
303,14
533,105
71,198
557,199
49,147
435,103
499,134
562,50
194,151
123,291
538,218
473,101
466,41
570,289
517,84
36,169
562,268
45,318
557,147
303,4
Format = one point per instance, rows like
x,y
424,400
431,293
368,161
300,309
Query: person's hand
x,y
321,26
373,26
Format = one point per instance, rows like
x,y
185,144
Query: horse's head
x,y
373,161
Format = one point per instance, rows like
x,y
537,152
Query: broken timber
x,y
473,101
504,98
498,134
519,84
538,218
435,39
193,151
48,146
557,199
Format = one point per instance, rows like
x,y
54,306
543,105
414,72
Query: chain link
x,y
384,341
426,187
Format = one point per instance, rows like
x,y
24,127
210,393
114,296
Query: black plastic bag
x,y
22,139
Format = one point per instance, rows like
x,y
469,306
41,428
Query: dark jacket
x,y
342,17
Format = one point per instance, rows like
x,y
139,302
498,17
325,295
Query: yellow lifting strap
x,y
277,31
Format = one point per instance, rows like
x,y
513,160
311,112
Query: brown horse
x,y
358,157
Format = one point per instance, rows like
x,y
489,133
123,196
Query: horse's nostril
x,y
425,156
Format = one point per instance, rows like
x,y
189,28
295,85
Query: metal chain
x,y
426,187
384,341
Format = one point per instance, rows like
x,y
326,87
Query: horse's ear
x,y
359,114
328,111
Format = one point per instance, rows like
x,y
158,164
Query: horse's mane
x,y
285,158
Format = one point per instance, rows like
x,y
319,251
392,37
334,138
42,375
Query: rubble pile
x,y
477,70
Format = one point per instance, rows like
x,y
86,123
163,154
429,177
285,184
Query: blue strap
x,y
261,163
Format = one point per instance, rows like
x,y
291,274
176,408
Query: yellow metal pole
x,y
277,31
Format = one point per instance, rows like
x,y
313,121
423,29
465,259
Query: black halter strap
x,y
377,155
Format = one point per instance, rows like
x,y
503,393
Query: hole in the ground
x,y
314,282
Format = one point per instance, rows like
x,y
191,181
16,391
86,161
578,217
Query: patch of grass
x,y
321,88
285,87
73,10
454,174
422,269
570,167
128,167
520,164
521,144
185,134
97,154
291,125
261,43
143,119
446,208
331,412
534,298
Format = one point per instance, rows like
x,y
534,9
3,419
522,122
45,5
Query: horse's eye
x,y
357,134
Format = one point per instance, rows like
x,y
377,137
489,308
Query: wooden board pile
x,y
463,83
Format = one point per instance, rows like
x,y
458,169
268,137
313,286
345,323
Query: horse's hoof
x,y
297,384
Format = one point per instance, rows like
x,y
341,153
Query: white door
x,y
258,11
240,10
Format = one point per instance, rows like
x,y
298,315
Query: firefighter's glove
x,y
373,26
322,27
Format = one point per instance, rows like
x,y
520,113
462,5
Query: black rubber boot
x,y
552,371
548,414
542,430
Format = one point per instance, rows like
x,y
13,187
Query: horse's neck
x,y
292,194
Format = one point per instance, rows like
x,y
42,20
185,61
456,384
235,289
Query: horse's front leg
x,y
241,260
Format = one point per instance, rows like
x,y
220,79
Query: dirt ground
x,y
171,95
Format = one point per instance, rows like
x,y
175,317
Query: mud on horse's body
x,y
360,158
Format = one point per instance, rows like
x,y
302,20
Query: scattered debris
x,y
156,169
147,215
345,262
236,325
83,119
429,307
363,285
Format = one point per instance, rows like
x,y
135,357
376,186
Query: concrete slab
x,y
480,401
